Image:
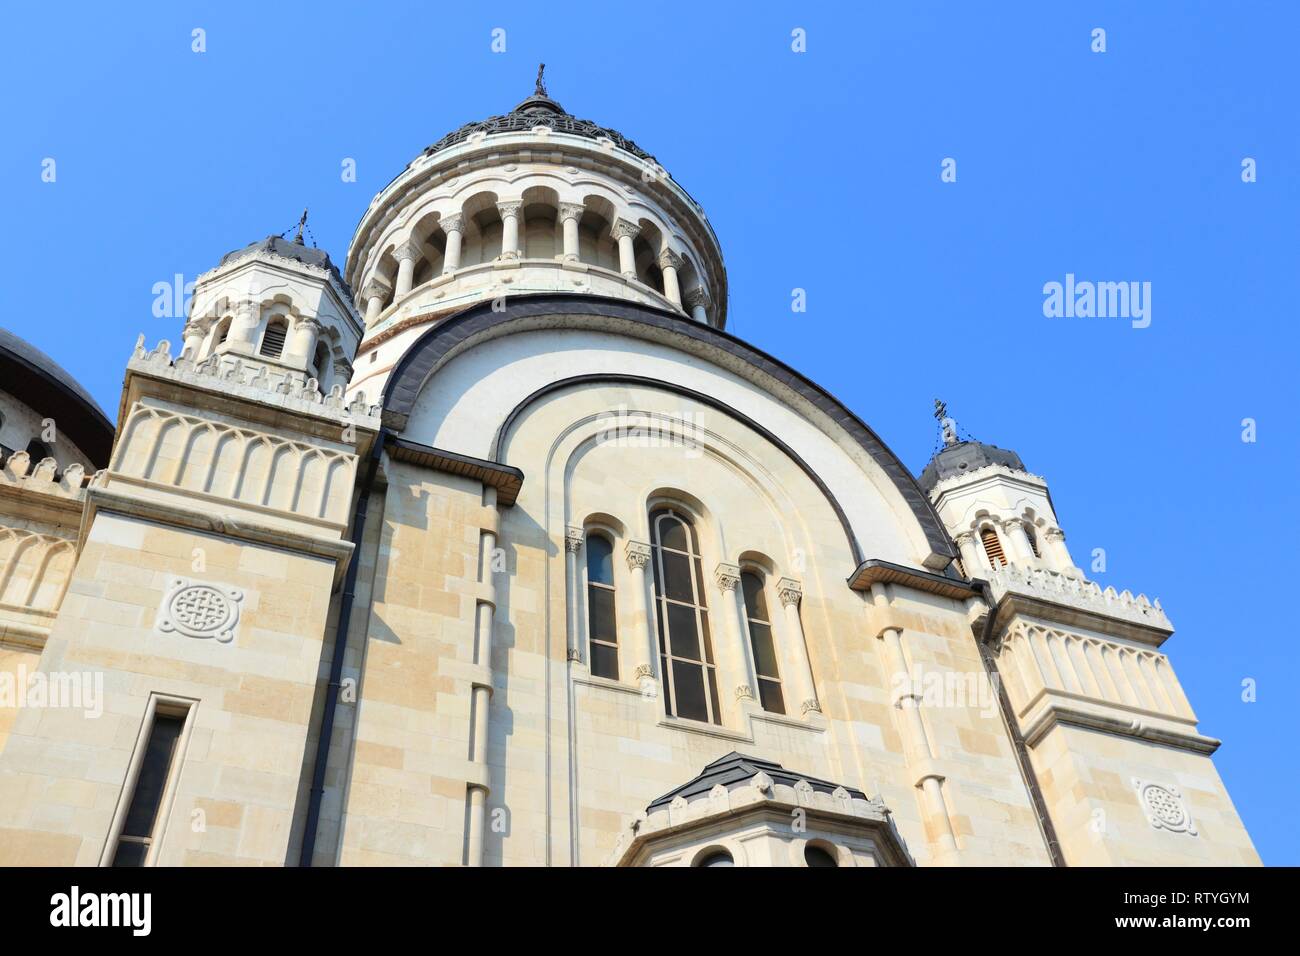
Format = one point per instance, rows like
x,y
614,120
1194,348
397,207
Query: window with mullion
x,y
685,644
602,628
760,639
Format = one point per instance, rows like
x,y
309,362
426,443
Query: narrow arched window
x,y
223,331
816,856
320,363
993,547
760,639
600,607
273,338
685,647
1033,539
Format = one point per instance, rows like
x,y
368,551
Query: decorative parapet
x,y
20,473
1080,594
844,810
1055,676
255,383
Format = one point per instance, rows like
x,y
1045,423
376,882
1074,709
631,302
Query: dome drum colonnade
x,y
574,206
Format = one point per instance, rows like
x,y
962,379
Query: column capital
x,y
699,296
407,249
1054,534
622,229
571,210
810,706
726,576
376,288
452,223
789,591
1012,522
964,537
509,207
573,538
638,554
308,322
669,260
196,327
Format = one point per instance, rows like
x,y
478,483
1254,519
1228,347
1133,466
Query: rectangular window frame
x,y
168,705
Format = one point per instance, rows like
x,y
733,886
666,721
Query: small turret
x,y
280,305
997,512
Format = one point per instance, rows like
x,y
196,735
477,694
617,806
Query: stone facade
x,y
368,601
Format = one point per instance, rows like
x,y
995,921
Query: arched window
x,y
223,331
993,547
320,364
600,607
716,858
815,855
273,338
760,638
1033,539
685,647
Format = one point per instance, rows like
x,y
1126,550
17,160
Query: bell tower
x,y
1113,744
279,308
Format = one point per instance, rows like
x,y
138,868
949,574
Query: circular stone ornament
x,y
200,609
1164,807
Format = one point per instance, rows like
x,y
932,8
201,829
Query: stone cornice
x,y
964,481
341,292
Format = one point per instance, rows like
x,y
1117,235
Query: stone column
x,y
638,556
573,539
481,683
342,372
669,263
243,328
454,227
406,255
790,592
624,232
306,331
919,751
375,294
509,228
730,609
1055,540
570,216
1015,529
192,337
698,300
970,553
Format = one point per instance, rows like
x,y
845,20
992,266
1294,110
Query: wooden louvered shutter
x,y
993,547
273,339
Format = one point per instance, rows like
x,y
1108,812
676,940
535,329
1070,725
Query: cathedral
x,y
488,545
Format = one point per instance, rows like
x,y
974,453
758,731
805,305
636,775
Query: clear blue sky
x,y
819,171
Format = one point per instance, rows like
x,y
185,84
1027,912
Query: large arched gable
x,y
483,322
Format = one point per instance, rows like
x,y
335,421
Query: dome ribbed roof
x,y
290,249
962,457
539,110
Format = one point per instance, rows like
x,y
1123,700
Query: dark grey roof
x,y
43,385
737,768
539,110
290,249
964,456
